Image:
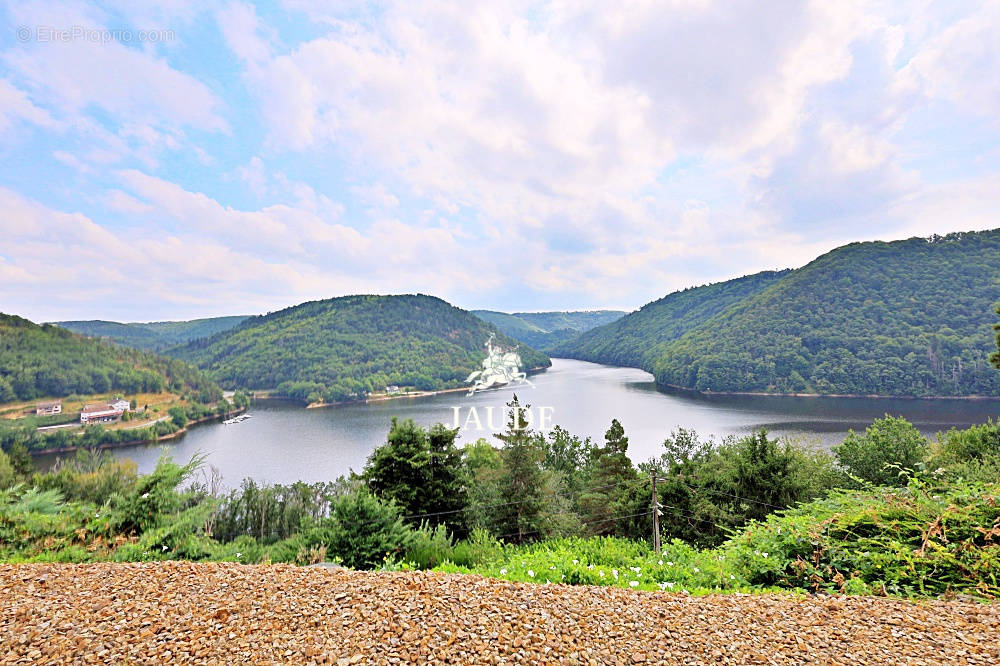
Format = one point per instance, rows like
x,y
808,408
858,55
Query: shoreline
x,y
137,442
381,398
386,398
868,396
765,394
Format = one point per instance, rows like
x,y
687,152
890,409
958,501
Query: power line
x,y
721,492
574,495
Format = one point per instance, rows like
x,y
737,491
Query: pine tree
x,y
521,483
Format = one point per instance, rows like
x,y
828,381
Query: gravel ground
x,y
181,612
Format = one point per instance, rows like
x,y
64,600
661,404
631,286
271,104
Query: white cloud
x,y
15,105
961,63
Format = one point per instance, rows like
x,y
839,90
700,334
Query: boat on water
x,y
236,419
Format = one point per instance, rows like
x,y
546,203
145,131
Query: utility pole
x,y
656,518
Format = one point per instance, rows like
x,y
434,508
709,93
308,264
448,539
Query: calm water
x,y
284,443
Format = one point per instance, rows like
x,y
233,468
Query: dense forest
x,y
911,318
630,340
338,348
49,361
153,335
547,330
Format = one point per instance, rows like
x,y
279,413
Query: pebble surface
x,y
181,612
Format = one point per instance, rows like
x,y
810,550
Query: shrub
x,y
430,546
360,532
7,475
976,443
922,540
890,450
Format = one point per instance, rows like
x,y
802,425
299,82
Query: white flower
x,y
164,547
590,566
670,564
664,585
145,495
696,569
660,563
576,561
601,572
764,554
531,574
633,583
614,572
503,571
732,577
635,569
553,568
238,555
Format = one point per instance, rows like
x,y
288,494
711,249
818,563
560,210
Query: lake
x,y
284,443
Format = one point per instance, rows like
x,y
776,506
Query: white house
x,y
45,408
121,404
102,413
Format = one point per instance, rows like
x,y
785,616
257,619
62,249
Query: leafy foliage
x,y
48,361
903,318
925,539
890,447
708,490
342,347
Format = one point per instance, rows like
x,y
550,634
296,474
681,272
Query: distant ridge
x,y
341,348
153,335
904,318
546,330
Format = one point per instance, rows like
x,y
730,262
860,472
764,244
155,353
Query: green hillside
x,y
339,347
153,335
636,339
546,330
49,361
909,317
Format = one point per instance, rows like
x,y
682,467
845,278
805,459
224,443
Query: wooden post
x,y
656,519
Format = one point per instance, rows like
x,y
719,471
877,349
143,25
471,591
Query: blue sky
x,y
201,158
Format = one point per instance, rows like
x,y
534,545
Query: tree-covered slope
x,y
635,339
46,360
153,335
338,347
546,330
910,317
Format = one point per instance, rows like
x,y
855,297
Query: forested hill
x,y
911,317
546,330
340,347
636,339
153,335
49,361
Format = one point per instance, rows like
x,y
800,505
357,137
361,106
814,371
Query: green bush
x,y
889,451
926,539
430,546
7,474
978,442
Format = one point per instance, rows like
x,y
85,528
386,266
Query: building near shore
x,y
102,413
48,408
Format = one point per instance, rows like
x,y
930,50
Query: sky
x,y
185,159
